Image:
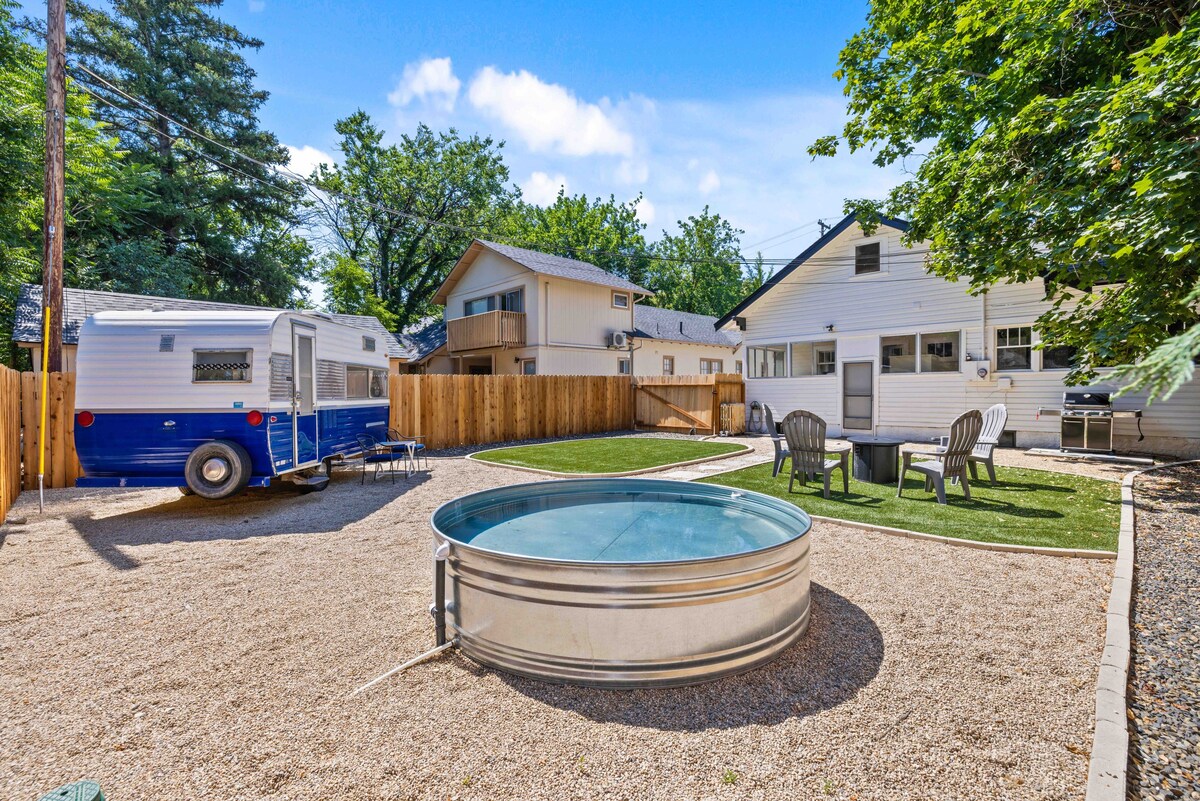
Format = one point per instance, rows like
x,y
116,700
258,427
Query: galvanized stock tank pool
x,y
624,582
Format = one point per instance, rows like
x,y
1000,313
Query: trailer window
x,y
365,382
221,365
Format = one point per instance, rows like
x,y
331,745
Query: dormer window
x,y
369,344
866,259
620,300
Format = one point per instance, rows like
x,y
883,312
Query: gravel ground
x,y
1164,683
171,647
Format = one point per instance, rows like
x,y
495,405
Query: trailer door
x,y
304,395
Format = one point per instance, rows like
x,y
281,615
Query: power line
x,y
319,191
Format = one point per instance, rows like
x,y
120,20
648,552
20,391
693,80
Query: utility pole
x,y
52,227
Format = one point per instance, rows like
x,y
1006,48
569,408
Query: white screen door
x,y
857,395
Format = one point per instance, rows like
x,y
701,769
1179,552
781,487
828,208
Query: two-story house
x,y
856,330
510,310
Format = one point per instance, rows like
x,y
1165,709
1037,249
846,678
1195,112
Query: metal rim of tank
x,y
715,491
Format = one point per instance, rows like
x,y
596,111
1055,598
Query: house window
x,y
668,365
166,343
814,358
1059,357
866,259
513,300
1014,348
711,366
622,366
365,382
620,300
737,366
939,352
528,366
767,361
221,365
898,354
479,305
369,344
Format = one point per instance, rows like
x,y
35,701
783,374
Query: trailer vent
x,y
166,343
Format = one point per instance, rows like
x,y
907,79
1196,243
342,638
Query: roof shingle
x,y
561,267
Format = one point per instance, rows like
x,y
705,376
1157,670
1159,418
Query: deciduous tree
x,y
1049,139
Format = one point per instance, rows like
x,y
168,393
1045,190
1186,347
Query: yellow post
x,y
44,401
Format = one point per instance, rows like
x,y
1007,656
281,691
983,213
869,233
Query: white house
x,y
856,330
510,310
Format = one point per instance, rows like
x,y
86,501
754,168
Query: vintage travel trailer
x,y
215,401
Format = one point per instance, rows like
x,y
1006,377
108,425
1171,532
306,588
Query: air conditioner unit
x,y
618,339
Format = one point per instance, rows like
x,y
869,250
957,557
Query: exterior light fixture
x,y
829,328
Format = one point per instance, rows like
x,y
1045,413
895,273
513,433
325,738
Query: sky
x,y
686,103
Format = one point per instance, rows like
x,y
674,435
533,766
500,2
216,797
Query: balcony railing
x,y
494,329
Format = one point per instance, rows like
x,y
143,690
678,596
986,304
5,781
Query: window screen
x,y
866,259
939,352
365,382
898,354
221,365
767,361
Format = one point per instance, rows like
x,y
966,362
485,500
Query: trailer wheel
x,y
186,490
218,469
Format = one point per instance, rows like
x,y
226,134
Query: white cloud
x,y
257,5
541,189
547,117
646,211
633,172
305,159
710,183
432,81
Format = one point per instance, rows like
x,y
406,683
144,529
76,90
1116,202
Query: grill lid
x,y
1087,399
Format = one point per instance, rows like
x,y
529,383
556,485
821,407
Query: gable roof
x,y
651,322
79,304
423,338
809,252
538,262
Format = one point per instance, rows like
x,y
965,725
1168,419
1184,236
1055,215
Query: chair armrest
x,y
987,441
924,453
845,449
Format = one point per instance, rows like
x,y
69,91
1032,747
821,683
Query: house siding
x,y
903,299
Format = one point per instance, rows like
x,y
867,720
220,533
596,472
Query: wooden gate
x,y
691,403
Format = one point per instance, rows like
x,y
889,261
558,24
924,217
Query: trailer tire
x,y
217,469
186,490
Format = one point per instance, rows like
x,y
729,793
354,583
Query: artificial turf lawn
x,y
1026,507
606,455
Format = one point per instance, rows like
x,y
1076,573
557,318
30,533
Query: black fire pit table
x,y
875,458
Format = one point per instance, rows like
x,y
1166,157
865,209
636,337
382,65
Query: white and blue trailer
x,y
215,401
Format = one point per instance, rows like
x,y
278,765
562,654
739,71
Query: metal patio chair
x,y
781,451
950,462
375,453
805,435
994,420
416,453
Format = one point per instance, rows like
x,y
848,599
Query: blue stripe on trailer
x,y
145,446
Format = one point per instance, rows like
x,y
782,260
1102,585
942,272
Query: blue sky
x,y
688,103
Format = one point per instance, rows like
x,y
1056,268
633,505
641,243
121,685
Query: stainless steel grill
x,y
1086,421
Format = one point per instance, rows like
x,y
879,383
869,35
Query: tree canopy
x,y
404,213
699,269
220,225
1046,139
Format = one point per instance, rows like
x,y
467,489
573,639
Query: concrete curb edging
x,y
1109,762
657,469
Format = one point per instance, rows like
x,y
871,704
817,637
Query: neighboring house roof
x,y
423,338
651,322
538,262
809,252
79,304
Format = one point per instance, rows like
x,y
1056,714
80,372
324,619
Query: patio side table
x,y
875,458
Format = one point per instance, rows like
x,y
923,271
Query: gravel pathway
x,y
1164,683
172,647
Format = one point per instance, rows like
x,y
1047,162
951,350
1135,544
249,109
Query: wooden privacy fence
x,y
10,438
691,402
451,410
20,437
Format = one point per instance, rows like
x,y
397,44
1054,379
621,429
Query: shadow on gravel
x,y
258,512
839,655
